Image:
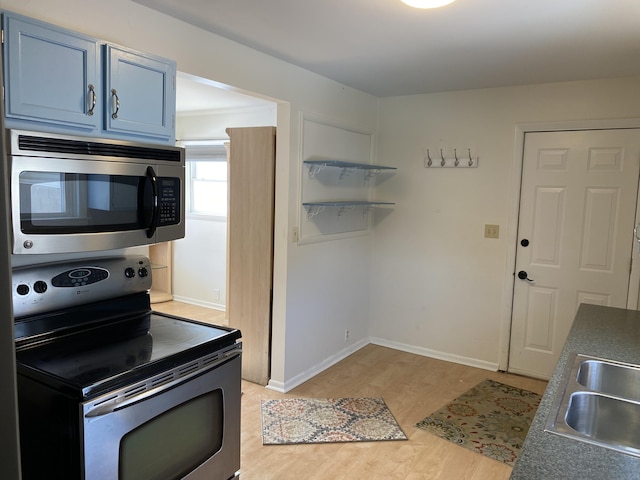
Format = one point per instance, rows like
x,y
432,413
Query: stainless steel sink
x,y
598,402
614,378
605,419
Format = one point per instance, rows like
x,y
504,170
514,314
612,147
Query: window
x,y
207,180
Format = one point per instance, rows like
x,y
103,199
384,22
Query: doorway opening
x,y
196,267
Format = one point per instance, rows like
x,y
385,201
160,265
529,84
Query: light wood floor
x,y
412,386
208,315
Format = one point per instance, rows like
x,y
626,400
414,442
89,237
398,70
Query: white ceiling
x,y
387,48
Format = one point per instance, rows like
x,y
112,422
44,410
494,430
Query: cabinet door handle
x,y
114,96
94,98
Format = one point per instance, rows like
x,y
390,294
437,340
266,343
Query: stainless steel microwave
x,y
76,194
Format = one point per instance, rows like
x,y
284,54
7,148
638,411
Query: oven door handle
x,y
155,208
115,405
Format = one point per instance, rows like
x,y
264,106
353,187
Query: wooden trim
x,y
250,244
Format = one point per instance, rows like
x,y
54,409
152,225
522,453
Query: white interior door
x,y
575,236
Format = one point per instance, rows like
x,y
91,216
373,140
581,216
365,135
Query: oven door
x,y
62,205
188,428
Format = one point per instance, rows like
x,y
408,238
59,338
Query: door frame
x,y
521,129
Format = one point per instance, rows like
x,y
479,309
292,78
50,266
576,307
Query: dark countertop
x,y
606,332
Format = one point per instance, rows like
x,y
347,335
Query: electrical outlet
x,y
346,335
492,231
216,294
294,234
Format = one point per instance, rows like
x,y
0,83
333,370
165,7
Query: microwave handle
x,y
155,212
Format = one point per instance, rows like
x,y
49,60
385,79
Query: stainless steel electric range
x,y
109,389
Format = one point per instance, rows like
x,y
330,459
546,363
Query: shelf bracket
x,y
372,172
346,171
344,209
314,210
315,169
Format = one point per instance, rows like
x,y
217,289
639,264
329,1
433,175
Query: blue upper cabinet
x,y
51,75
141,93
62,81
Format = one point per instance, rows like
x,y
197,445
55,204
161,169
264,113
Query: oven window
x,y
174,443
53,202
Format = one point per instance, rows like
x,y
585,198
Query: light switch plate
x,y
491,231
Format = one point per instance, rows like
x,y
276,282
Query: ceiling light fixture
x,y
427,3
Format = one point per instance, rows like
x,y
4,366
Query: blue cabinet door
x,y
51,74
141,93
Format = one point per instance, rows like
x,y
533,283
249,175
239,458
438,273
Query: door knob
x,y
522,275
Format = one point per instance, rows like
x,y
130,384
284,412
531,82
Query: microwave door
x,y
81,206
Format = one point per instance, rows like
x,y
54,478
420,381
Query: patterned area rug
x,y
491,418
309,420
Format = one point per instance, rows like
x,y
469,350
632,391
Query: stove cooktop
x,y
85,367
86,327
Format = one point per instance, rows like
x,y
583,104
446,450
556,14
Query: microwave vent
x,y
92,148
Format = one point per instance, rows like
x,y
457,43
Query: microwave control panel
x,y
169,201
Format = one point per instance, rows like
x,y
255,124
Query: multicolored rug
x,y
310,420
491,418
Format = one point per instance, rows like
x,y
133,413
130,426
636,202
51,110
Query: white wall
x,y
300,310
438,286
200,264
213,125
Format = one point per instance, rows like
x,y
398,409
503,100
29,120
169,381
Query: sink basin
x,y
605,419
598,402
608,377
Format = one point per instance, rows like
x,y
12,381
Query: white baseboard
x,y
527,373
316,369
200,303
276,386
427,352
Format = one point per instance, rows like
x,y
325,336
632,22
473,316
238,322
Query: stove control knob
x,y
40,286
129,272
22,289
143,272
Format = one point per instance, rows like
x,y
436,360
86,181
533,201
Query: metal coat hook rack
x,y
450,162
